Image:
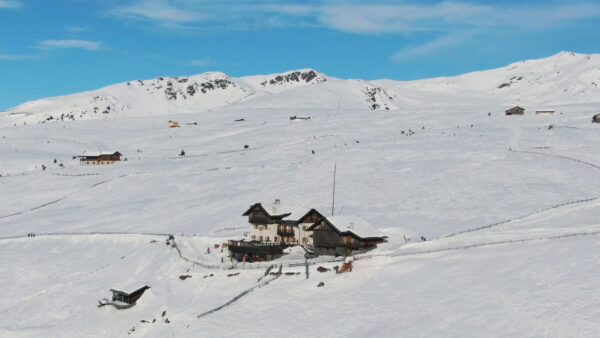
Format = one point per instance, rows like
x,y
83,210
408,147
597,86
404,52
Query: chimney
x,y
351,226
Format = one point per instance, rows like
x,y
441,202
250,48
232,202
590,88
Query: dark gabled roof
x,y
254,206
301,219
140,290
515,108
260,206
130,298
370,234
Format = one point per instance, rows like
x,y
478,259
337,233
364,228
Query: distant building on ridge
x,y
101,157
515,111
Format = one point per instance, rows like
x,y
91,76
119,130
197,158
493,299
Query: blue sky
x,y
57,47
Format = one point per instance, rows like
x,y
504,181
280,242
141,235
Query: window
x,y
304,227
268,239
260,238
276,238
304,240
255,226
253,237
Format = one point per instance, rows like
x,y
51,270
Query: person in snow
x,y
208,250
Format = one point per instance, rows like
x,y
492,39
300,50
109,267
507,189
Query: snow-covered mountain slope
x,y
508,204
136,98
275,83
559,80
160,96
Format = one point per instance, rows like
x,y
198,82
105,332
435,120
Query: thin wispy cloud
x,y
202,62
356,17
439,24
77,44
75,29
10,4
156,10
430,47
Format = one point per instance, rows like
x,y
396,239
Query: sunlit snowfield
x,y
509,205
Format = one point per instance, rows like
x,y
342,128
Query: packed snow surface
x,y
508,205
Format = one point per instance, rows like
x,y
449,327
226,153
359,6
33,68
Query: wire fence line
x,y
92,233
291,264
520,217
501,242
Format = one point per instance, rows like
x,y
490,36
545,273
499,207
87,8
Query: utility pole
x,y
306,267
333,198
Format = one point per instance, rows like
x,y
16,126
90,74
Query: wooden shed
x,y
173,124
515,111
596,118
544,112
295,117
129,298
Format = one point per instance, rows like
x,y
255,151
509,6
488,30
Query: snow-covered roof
x,y
99,152
356,225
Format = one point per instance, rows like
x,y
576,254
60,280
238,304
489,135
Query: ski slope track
x,y
507,205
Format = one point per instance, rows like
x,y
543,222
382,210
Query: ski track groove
x,y
556,156
62,198
234,299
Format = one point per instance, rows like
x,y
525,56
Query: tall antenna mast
x,y
333,198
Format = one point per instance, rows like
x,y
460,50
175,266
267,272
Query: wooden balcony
x,y
285,233
256,248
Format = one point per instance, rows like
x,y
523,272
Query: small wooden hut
x,y
173,124
515,111
544,112
129,298
596,118
292,118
